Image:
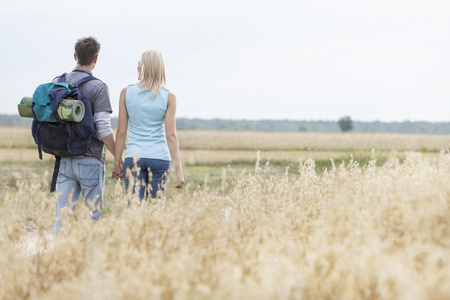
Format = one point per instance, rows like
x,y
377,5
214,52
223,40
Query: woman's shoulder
x,y
165,92
164,89
133,86
171,98
123,92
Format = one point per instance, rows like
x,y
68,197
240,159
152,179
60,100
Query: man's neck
x,y
90,67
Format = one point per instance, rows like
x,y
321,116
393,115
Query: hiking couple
x,y
149,108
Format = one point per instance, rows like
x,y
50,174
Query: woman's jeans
x,y
150,174
79,174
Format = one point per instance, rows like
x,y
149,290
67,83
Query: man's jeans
x,y
79,174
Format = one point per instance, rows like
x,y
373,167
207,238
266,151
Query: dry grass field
x,y
287,226
231,140
20,137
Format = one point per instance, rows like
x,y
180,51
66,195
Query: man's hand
x,y
117,173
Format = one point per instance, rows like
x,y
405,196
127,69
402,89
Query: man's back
x,y
97,93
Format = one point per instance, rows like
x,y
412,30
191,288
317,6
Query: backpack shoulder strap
x,y
62,78
83,80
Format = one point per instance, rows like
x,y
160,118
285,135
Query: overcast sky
x,y
385,60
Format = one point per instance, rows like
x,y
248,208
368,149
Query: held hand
x,y
117,173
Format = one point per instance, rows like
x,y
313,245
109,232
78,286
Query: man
x,y
86,174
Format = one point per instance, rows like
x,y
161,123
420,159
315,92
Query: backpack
x,y
54,135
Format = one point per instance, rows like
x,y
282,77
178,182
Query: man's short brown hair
x,y
86,49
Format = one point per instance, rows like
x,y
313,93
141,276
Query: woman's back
x,y
147,123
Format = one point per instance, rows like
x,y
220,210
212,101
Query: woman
x,y
150,108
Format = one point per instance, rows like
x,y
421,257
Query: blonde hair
x,y
152,74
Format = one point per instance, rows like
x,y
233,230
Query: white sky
x,y
385,60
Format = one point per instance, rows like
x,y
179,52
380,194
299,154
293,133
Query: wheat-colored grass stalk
x,y
375,232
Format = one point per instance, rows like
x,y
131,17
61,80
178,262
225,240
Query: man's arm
x,y
109,143
103,129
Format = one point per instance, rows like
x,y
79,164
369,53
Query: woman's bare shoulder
x,y
171,96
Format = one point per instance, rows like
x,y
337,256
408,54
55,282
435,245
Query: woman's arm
x,y
172,138
121,134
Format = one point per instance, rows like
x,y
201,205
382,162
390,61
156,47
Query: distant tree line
x,y
14,120
281,125
314,126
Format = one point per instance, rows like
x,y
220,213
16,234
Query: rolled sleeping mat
x,y
68,109
25,107
71,110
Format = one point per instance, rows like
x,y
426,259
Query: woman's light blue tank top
x,y
146,117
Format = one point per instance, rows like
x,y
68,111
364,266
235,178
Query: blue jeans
x,y
80,174
153,174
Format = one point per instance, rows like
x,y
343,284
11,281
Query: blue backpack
x,y
53,135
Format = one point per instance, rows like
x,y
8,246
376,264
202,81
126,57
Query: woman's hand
x,y
117,173
180,181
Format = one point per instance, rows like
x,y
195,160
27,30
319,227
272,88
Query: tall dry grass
x,y
16,137
20,137
234,140
378,232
